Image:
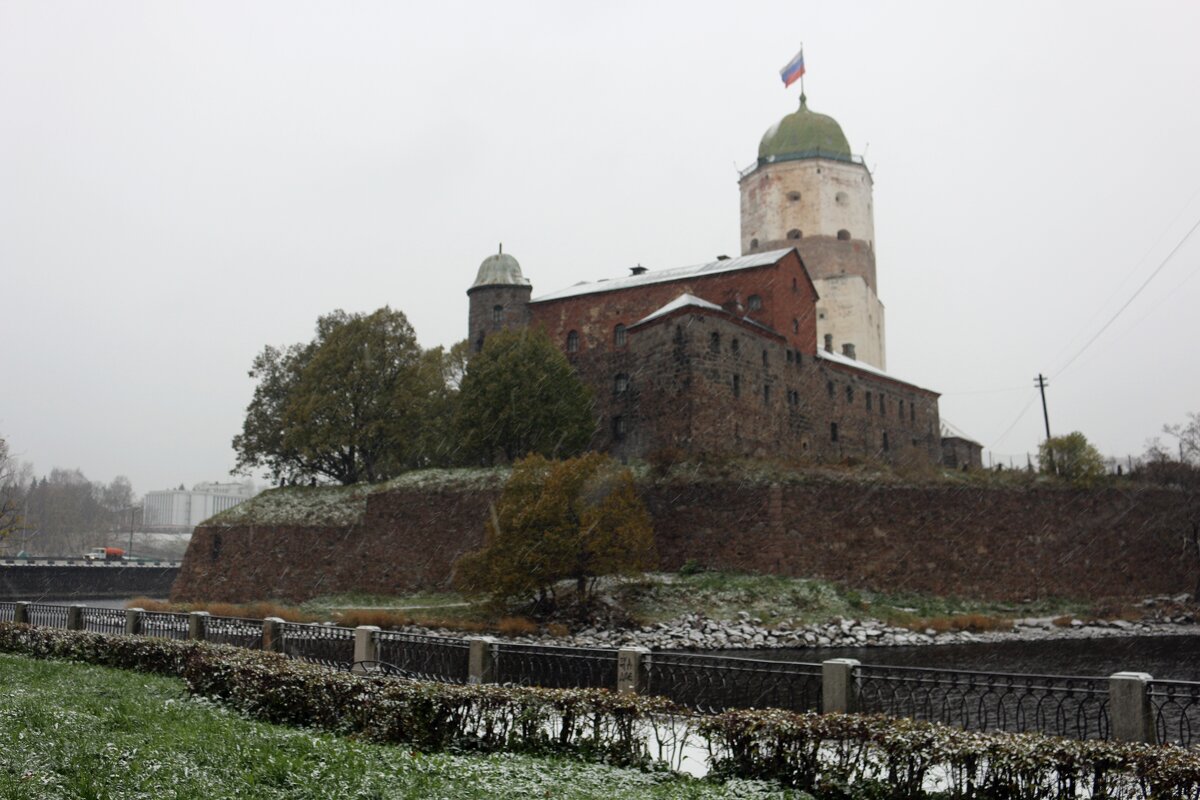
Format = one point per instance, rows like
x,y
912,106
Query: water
x,y
1164,657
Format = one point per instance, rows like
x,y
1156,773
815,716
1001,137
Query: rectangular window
x,y
737,385
766,393
868,401
882,406
618,428
833,431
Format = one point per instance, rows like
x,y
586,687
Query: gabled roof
x,y
683,301
952,432
846,361
665,275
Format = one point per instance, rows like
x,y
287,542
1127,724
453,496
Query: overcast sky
x,y
183,183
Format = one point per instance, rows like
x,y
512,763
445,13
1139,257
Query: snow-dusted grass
x,y
78,731
346,505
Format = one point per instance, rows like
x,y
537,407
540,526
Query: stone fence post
x,y
1131,719
198,625
481,665
629,670
839,686
21,612
272,640
366,646
75,617
133,621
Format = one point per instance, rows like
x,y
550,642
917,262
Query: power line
x,y
1008,430
1133,297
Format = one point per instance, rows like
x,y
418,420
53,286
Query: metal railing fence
x,y
431,658
1175,706
554,667
982,701
715,683
1076,707
327,645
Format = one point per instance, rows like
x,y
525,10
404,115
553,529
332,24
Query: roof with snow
x,y
953,432
683,301
846,361
665,275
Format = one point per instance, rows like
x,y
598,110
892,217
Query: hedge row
x,y
830,755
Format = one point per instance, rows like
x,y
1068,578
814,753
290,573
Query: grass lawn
x,y
79,731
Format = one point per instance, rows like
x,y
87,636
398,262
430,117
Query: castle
x,y
779,352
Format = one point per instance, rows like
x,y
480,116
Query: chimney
x,y
829,343
848,350
638,270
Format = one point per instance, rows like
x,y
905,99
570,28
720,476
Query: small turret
x,y
499,298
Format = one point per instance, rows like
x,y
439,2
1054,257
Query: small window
x,y
764,358
766,393
843,235
737,385
789,356
795,285
912,413
754,244
901,411
620,383
714,342
868,401
754,302
882,405
497,314
797,358
573,342
841,198
734,345
833,431
849,393
793,197
618,428
619,336
795,233
885,441
829,388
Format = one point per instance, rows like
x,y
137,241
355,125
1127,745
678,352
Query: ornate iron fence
x,y
47,615
327,645
433,658
1057,705
103,620
715,683
237,631
1176,709
164,625
555,667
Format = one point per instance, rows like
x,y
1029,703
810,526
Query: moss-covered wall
x,y
1001,543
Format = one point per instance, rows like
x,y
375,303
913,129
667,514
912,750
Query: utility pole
x,y
1040,382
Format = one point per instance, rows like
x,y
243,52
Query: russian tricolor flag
x,y
794,70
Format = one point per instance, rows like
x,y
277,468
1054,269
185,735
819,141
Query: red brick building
x,y
720,358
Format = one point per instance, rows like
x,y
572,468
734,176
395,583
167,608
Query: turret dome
x,y
804,134
500,269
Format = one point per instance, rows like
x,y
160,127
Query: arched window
x,y
734,345
714,342
754,302
573,342
754,244
885,441
737,385
795,233
849,393
497,314
620,383
618,428
829,388
843,235
619,336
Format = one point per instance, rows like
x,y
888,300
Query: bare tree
x,y
1188,435
10,492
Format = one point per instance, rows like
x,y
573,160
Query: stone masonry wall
x,y
1006,544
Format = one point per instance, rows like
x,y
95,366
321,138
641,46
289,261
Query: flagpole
x,y
802,74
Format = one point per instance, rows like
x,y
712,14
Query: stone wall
x,y
1005,544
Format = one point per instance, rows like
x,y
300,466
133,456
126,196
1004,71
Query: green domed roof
x,y
804,133
500,270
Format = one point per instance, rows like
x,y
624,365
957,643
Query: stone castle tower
x,y
499,298
808,191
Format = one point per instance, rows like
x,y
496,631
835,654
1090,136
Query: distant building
x,y
959,451
182,510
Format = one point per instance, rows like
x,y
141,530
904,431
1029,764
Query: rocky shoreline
x,y
698,633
